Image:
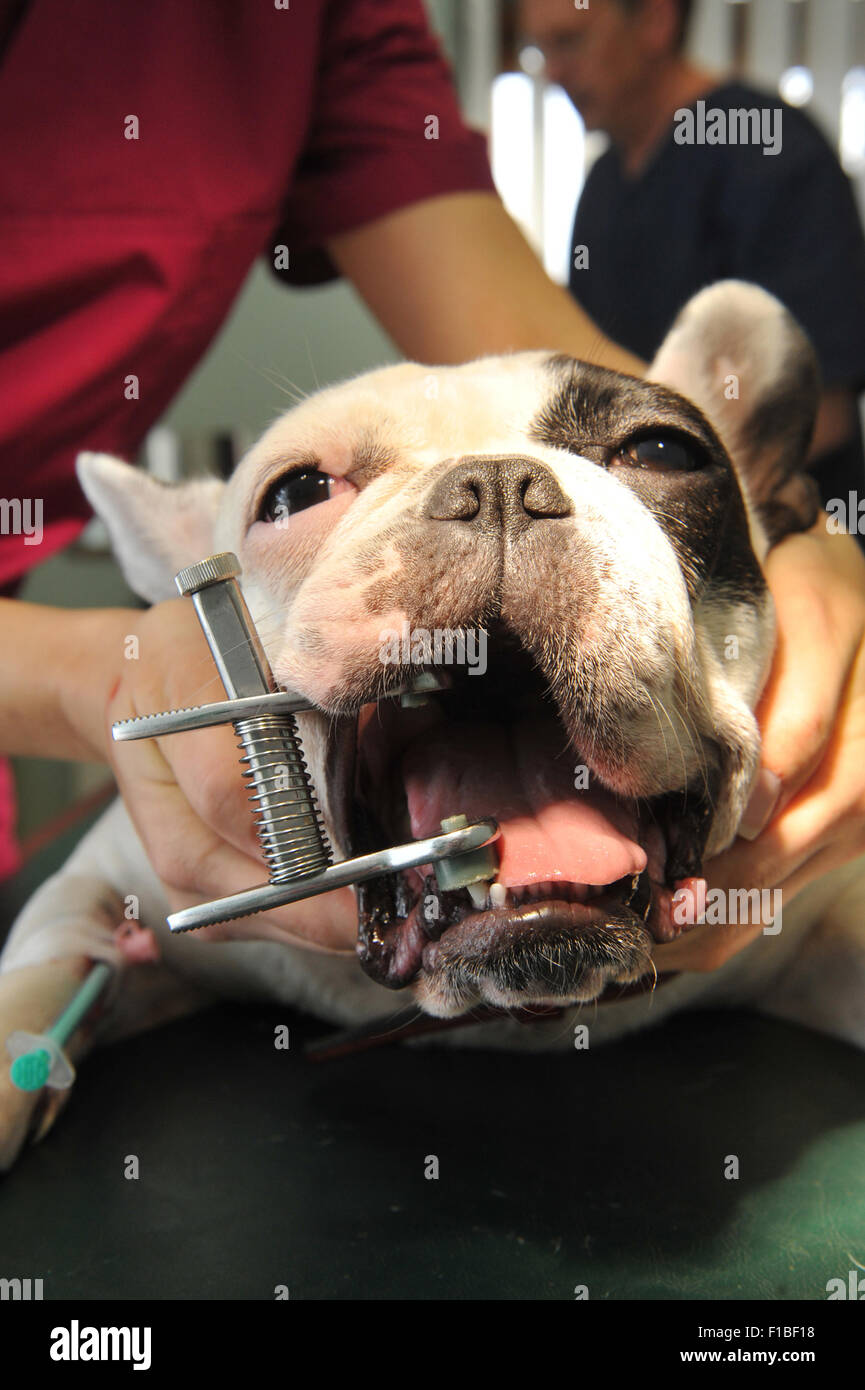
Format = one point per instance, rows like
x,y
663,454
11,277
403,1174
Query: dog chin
x,y
547,955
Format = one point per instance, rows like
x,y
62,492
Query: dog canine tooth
x,y
478,894
498,895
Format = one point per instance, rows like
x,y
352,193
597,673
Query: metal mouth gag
x,y
288,821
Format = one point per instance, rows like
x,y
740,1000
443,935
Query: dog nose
x,y
501,493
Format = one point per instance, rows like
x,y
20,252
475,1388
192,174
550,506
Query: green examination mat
x,y
258,1168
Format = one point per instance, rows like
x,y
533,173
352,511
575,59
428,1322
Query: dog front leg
x,y
71,922
31,999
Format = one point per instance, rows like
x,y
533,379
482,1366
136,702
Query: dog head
x,y
577,555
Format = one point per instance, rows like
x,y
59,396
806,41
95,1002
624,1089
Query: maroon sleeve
x,y
385,131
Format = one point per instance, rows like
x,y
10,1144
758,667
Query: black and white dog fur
x,y
606,534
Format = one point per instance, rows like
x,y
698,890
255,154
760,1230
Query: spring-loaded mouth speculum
x,y
292,835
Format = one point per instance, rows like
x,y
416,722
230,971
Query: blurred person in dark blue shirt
x,y
706,178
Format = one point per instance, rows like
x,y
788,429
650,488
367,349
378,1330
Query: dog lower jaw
x,y
550,953
542,952
569,951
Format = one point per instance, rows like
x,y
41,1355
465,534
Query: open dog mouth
x,y
585,880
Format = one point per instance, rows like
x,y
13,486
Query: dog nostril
x,y
474,499
541,496
456,497
501,492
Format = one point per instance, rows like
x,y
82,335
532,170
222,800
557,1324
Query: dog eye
x,y
664,453
294,492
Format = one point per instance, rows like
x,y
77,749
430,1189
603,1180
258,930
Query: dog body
x,y
605,537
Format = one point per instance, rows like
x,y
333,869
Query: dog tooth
x,y
478,895
498,895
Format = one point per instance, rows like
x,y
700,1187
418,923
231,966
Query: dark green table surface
x,y
605,1168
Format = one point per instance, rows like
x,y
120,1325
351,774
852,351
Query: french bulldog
x,y
603,536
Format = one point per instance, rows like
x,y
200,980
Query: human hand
x,y
185,792
812,717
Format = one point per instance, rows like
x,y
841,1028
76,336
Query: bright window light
x,y
796,86
852,138
545,211
531,60
511,146
564,172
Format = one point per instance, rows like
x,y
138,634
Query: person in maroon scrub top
x,y
150,154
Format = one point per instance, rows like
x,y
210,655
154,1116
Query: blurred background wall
x,y
319,335
277,340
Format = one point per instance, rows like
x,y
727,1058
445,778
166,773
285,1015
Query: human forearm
x,y
56,674
453,278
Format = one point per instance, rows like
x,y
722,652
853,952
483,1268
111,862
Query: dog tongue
x,y
522,776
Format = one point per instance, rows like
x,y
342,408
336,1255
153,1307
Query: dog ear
x,y
739,355
155,529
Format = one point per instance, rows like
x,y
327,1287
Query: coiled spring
x,y
288,820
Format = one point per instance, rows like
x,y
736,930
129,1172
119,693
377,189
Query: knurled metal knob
x,y
213,570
